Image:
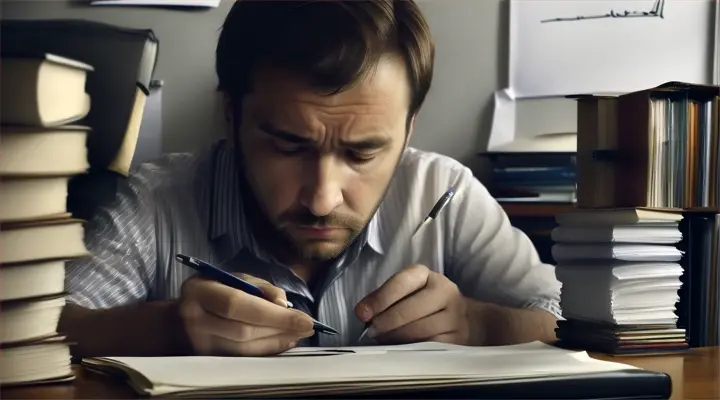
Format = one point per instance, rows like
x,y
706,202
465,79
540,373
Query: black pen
x,y
437,208
212,272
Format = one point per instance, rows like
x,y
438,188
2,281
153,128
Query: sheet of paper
x,y
624,293
533,360
621,252
503,123
560,47
158,3
659,233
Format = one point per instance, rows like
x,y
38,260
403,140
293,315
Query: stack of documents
x,y
362,370
620,275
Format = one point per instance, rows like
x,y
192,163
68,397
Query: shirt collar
x,y
228,230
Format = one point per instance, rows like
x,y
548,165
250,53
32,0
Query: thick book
x,y
42,152
20,281
416,370
55,238
24,199
33,362
31,319
42,89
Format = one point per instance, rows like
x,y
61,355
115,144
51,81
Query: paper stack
x,y
376,370
620,276
41,95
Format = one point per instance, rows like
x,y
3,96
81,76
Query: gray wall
x,y
471,64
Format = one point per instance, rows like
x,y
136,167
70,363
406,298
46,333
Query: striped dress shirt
x,y
191,204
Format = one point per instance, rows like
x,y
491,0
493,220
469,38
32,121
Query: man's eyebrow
x,y
367,144
283,135
373,143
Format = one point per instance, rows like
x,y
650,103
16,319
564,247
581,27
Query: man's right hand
x,y
220,320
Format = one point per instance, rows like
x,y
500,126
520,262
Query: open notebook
x,y
348,370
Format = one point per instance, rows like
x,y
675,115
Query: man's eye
x,y
360,158
287,148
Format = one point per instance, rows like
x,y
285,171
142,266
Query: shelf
x,y
541,210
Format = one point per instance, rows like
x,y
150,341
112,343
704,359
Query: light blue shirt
x,y
191,204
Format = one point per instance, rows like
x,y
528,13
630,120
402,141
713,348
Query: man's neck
x,y
312,273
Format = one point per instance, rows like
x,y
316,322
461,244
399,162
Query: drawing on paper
x,y
655,12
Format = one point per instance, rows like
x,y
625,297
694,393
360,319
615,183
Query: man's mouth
x,y
318,231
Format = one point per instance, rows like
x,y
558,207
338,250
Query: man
x,y
315,196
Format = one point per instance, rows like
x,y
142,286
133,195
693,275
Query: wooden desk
x,y
695,376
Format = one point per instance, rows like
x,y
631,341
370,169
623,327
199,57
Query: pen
x,y
437,208
209,271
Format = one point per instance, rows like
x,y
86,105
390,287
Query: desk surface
x,y
695,375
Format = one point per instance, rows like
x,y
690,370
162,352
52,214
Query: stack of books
x,y
659,149
123,61
41,95
620,276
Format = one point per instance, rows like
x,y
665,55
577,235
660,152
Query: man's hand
x,y
220,320
416,305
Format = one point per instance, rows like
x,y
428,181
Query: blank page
x,y
480,363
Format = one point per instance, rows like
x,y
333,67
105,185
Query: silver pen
x,y
437,208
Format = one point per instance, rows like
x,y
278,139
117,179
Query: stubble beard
x,y
278,241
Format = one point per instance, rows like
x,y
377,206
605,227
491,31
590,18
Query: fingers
x,y
211,324
271,292
396,288
232,304
417,306
436,326
255,348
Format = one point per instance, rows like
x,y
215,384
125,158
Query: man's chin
x,y
320,250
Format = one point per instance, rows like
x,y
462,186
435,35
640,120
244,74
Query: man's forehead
x,y
385,85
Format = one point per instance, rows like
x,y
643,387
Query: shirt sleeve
x,y
121,240
491,260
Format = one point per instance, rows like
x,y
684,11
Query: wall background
x,y
471,63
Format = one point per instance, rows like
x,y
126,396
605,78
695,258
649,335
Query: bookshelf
x,y
659,149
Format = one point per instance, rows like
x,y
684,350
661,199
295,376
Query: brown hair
x,y
331,43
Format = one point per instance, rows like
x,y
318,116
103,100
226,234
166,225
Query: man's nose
x,y
323,191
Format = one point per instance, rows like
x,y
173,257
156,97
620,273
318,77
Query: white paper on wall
x,y
563,47
158,3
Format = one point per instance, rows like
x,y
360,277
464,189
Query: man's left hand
x,y
416,305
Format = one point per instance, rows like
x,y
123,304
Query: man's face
x,y
319,164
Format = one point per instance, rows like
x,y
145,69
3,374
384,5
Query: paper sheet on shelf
x,y
503,124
